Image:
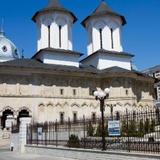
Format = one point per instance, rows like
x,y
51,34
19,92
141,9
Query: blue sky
x,y
141,35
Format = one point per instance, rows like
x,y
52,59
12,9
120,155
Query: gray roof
x,y
122,54
53,6
34,64
152,69
103,9
53,50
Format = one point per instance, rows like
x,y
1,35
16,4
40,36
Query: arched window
x,y
117,116
101,40
112,43
60,36
49,35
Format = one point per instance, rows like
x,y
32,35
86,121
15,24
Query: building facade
x,y
57,83
155,73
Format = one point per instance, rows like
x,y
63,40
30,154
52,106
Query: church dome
x,y
8,51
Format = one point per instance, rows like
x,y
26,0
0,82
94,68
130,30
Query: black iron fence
x,y
139,131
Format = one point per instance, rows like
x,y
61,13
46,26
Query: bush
x,y
147,126
90,130
74,141
124,128
132,128
99,130
141,128
152,126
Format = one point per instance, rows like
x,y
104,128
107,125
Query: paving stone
x,y
7,155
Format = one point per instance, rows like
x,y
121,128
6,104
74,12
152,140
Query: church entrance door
x,y
22,114
4,117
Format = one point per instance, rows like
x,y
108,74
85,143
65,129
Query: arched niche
x,y
7,111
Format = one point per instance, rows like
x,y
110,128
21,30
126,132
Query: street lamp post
x,y
101,96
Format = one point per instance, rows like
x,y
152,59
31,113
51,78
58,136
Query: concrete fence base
x,y
83,154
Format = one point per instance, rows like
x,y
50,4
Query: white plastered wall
x,y
54,20
60,59
105,23
104,61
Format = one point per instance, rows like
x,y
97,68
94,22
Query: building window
x,y
134,115
60,36
157,75
117,116
61,117
127,92
75,117
93,117
4,48
91,92
112,44
49,36
61,91
101,40
74,92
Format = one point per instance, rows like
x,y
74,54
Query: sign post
x,y
114,128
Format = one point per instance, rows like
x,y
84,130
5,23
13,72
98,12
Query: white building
x,y
58,83
155,73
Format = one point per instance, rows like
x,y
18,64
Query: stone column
x,y
23,132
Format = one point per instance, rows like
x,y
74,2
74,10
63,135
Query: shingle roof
x,y
152,69
122,54
53,50
53,6
34,64
103,9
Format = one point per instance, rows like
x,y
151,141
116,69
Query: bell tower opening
x,y
49,36
112,42
101,40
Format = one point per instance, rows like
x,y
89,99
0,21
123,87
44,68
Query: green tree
x,y
132,128
106,130
141,128
99,130
147,126
124,128
90,130
152,125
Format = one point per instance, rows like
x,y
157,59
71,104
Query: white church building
x,y
58,83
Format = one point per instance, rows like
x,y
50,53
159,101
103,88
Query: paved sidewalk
x,y
7,155
4,144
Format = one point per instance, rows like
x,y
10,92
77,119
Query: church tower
x,y
54,22
104,29
104,45
54,45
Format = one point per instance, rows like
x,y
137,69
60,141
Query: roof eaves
x,y
102,14
53,9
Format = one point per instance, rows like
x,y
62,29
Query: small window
x,y
101,40
4,48
49,36
61,91
126,91
75,117
117,116
134,115
91,92
93,117
61,117
74,92
60,36
112,43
